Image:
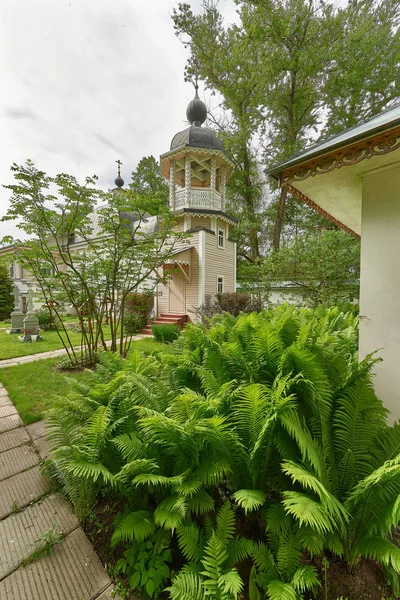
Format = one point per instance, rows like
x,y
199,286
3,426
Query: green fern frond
x,y
380,549
239,549
130,446
334,544
95,430
189,487
92,471
171,512
215,554
137,526
186,586
309,446
263,557
277,590
311,540
250,500
288,555
331,505
133,468
225,521
200,503
305,578
278,522
308,512
191,542
230,584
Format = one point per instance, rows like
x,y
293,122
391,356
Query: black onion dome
x,y
119,182
197,137
196,111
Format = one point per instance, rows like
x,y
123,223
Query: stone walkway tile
x,y
36,430
5,401
21,489
19,532
3,392
42,446
71,571
6,411
12,439
16,460
107,595
7,423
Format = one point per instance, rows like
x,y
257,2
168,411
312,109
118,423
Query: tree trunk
x,y
279,219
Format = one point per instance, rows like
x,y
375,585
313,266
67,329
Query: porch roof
x,y
328,177
182,256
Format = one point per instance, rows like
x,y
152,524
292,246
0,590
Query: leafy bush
x,y
138,308
47,320
258,444
166,333
145,564
233,303
6,290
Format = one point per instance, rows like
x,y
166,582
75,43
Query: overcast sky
x,y
85,82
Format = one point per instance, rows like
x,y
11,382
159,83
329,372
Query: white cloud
x,y
85,82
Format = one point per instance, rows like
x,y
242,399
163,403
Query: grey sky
x,y
85,82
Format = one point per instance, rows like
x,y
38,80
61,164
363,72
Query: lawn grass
x,y
11,346
31,386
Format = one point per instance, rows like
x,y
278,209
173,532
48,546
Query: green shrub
x,y
6,290
233,303
237,302
166,333
47,320
145,564
138,308
258,442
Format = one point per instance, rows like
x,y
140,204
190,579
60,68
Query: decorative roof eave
x,y
181,256
349,155
381,123
306,200
204,212
184,150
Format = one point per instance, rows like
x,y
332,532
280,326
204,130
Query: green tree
x,y
89,248
287,68
324,263
6,299
149,186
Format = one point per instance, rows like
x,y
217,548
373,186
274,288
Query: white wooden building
x,y
197,169
354,179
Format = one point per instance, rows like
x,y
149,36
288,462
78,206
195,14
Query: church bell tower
x,y
196,165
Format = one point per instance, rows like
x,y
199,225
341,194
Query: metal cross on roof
x,y
119,163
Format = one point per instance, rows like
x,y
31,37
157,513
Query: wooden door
x,y
177,293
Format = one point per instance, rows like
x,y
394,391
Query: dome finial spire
x,y
119,182
196,111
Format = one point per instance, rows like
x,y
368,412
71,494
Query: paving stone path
x,y
29,508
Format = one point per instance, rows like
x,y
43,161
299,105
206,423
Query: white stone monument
x,y
17,316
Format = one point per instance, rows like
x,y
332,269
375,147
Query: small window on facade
x,y
220,285
221,238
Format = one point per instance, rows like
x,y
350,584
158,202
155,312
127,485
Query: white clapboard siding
x,y
219,262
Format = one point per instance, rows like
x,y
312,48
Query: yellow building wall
x,y
219,262
191,289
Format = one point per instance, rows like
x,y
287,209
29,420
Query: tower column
x,y
213,180
223,186
172,186
188,181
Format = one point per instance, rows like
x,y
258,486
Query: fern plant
x,y
268,416
212,553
